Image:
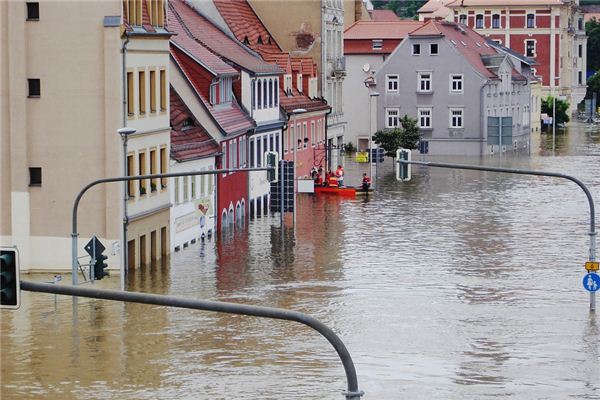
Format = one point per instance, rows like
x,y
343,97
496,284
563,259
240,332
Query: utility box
x,y
306,186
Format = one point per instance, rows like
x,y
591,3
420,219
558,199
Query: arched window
x,y
270,92
259,92
265,95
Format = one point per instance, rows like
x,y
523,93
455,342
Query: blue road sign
x,y
591,282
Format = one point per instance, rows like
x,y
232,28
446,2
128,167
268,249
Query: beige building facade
x,y
63,90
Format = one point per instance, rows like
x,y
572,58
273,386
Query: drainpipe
x,y
327,141
483,118
125,184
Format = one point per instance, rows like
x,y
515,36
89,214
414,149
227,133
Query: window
x,y
433,49
479,21
163,166
252,164
377,44
424,82
265,94
580,50
225,92
495,21
133,9
156,12
186,193
456,118
456,83
276,92
177,190
462,19
33,88
580,78
152,91
154,183
142,171
33,11
530,20
142,91
194,195
163,90
130,110
313,134
35,176
392,83
424,118
259,92
416,49
258,152
130,172
271,90
305,130
392,117
530,48
580,24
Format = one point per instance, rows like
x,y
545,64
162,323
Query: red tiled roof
x,y
300,100
200,53
383,15
381,30
492,3
218,41
230,117
188,142
466,41
246,25
433,6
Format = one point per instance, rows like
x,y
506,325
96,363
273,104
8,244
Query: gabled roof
x,y
471,45
246,25
381,30
186,42
383,15
218,41
188,142
229,117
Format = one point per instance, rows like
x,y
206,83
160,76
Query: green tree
x,y
406,137
593,86
592,29
562,108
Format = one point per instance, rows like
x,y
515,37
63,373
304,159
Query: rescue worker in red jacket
x,y
339,174
366,182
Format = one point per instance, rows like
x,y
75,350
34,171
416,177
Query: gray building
x,y
470,97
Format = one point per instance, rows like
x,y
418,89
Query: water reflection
x,y
457,284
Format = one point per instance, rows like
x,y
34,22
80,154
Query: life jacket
x,y
332,182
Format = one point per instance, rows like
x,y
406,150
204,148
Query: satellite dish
x,y
366,67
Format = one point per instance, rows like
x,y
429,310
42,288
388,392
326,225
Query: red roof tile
x,y
246,25
188,142
201,54
380,30
299,100
218,41
466,41
230,117
487,3
383,15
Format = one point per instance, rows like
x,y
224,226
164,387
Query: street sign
x,y
592,265
94,246
591,282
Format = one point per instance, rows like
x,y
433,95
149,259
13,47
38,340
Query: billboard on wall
x,y
202,210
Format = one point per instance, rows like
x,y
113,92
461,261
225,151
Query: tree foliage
x,y
562,108
592,29
406,137
593,86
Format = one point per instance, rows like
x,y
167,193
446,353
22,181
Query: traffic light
x,y
100,266
402,170
271,159
9,278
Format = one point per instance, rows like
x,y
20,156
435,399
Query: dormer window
x,y
299,82
221,92
287,84
133,11
157,13
260,40
187,123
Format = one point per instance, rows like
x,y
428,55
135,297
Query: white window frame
x,y
534,47
461,81
482,21
390,79
388,116
413,49
420,110
499,21
451,111
377,44
421,79
464,17
527,14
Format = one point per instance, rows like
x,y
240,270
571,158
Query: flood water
x,y
455,285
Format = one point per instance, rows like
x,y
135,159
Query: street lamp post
x,y
372,95
124,132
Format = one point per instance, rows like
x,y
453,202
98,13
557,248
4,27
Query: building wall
x,y
356,97
192,215
312,153
65,132
232,189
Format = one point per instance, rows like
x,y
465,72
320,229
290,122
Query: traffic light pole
x,y
592,233
353,393
75,234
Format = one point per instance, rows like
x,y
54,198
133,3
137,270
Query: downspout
x,y
125,138
327,141
483,118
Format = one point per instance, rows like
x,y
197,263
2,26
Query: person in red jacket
x,y
366,182
339,174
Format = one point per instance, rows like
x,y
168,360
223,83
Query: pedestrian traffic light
x,y
100,266
271,158
402,169
9,278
